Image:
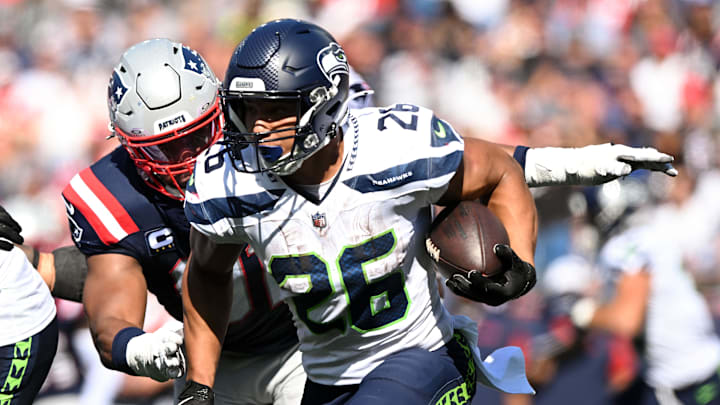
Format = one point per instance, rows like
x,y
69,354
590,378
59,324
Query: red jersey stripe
x,y
109,200
73,198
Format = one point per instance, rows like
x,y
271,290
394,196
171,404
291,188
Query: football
x,y
462,237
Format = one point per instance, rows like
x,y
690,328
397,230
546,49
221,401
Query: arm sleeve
x,y
70,273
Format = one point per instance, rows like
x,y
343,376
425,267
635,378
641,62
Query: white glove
x,y
157,355
591,165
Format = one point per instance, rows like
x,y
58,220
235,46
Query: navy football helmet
x,y
284,68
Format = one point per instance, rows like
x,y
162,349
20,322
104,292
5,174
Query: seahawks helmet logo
x,y
332,61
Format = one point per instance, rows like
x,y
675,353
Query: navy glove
x,y
517,279
196,394
9,231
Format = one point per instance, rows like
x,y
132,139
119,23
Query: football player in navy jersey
x,y
126,215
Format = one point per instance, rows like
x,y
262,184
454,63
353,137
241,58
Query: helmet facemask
x,y
243,109
166,160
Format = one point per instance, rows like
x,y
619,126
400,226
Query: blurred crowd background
x,y
539,73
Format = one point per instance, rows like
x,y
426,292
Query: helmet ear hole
x,y
333,109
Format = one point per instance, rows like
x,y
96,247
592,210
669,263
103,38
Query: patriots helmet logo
x,y
193,61
116,89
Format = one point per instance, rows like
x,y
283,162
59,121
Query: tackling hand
x,y
645,158
196,394
157,355
518,278
592,164
9,231
607,162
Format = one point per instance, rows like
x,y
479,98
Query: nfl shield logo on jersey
x,y
319,220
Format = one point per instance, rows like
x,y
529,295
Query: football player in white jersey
x,y
653,297
28,325
261,208
336,203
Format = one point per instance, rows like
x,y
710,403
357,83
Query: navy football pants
x,y
25,364
413,376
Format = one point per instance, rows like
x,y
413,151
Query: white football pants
x,y
270,379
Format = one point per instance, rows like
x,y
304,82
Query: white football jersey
x,y
681,346
351,263
27,306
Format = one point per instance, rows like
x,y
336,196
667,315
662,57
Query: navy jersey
x,y
111,210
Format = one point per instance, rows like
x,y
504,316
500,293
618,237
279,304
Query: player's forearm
x,y
207,298
624,315
104,332
513,204
114,298
613,319
587,165
36,258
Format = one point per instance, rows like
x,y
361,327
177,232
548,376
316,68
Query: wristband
x,y
520,154
582,312
119,348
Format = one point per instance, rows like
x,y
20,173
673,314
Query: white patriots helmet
x,y
164,108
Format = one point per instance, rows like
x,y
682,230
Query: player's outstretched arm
x,y
588,165
487,172
207,298
114,298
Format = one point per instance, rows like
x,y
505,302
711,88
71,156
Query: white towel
x,y
503,369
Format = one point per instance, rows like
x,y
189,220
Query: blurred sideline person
x,y
564,365
593,366
338,216
28,324
653,298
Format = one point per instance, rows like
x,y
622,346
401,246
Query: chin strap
x,y
111,128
